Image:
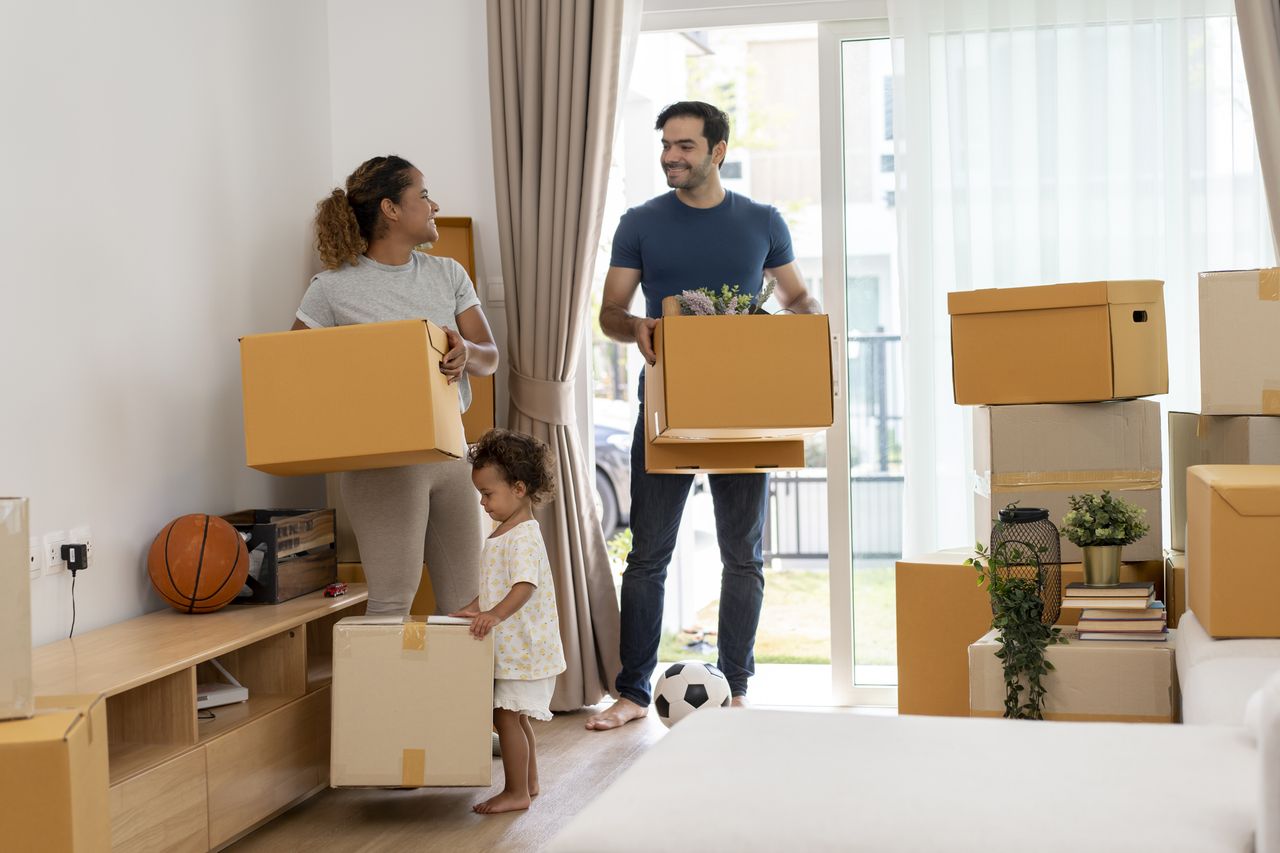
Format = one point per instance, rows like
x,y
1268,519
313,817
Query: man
x,y
700,235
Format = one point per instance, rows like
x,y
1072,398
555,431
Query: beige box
x,y
412,704
941,610
349,397
1175,586
53,777
1233,549
1146,571
1009,345
15,611
1118,681
1213,440
1040,455
1240,342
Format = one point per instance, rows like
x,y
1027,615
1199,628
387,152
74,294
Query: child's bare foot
x,y
507,801
533,785
617,715
739,702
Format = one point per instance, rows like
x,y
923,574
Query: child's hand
x,y
483,623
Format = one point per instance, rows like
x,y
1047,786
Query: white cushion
x,y
1216,690
1196,646
753,780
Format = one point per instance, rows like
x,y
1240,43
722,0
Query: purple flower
x,y
697,303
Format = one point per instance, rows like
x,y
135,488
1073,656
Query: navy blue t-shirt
x,y
677,247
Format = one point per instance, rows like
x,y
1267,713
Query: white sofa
x,y
1217,677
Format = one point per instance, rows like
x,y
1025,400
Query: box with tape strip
x,y
412,703
1240,342
1038,456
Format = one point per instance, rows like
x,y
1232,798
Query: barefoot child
x,y
517,602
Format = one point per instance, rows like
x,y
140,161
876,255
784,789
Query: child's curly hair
x,y
519,458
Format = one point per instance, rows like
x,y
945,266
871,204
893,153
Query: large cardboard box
x,y
15,611
412,704
779,384
1175,586
1240,342
1041,455
53,777
1213,440
349,397
1059,343
1118,681
1145,571
1233,549
941,610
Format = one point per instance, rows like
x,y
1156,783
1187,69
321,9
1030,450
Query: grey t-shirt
x,y
369,292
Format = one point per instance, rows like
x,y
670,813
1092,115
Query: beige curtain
x,y
553,82
1260,43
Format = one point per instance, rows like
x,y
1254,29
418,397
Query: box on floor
x,y
1240,342
1040,455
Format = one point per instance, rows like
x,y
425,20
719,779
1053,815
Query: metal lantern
x,y
1027,541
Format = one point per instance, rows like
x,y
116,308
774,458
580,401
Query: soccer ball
x,y
687,686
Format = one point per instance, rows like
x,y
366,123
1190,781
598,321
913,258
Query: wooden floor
x,y
574,766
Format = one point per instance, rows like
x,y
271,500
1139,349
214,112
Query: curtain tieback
x,y
542,399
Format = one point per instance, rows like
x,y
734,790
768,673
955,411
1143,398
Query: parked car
x,y
613,478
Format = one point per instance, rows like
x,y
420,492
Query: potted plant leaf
x,y
1101,525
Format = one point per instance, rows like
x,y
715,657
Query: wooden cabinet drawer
x,y
263,766
164,809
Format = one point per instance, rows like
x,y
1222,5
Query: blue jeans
x,y
657,505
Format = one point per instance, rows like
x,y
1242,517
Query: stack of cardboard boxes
x,y
1048,368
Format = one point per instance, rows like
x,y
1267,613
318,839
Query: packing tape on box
x,y
1269,284
413,768
1034,481
414,637
1271,399
1202,426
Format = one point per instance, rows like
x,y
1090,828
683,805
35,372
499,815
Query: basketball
x,y
198,563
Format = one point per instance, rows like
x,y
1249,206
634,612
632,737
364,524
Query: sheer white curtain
x,y
1058,141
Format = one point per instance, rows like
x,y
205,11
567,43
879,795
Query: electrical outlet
x,y
35,566
83,534
53,562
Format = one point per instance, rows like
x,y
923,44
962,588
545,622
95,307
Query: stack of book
x,y
1128,611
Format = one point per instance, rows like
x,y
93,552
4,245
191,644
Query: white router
x,y
214,694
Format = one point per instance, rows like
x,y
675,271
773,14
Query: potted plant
x,y
1017,608
1101,525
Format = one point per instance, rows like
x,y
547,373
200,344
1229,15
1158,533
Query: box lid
x,y
998,299
1250,490
54,720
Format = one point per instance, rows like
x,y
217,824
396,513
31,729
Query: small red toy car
x,y
334,590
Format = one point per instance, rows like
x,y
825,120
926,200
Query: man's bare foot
x,y
507,801
617,715
739,702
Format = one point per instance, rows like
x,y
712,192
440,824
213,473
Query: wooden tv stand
x,y
179,782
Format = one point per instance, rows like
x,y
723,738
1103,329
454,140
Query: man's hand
x,y
483,623
468,612
644,327
455,360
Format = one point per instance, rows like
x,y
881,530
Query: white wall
x,y
162,163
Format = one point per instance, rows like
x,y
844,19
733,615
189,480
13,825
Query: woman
x,y
366,236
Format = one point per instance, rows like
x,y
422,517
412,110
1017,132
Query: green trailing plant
x,y
1017,609
1103,520
705,302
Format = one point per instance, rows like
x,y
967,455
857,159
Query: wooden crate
x,y
301,551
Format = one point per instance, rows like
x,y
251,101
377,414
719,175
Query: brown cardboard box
x,y
1118,681
1233,549
1175,586
53,777
1240,342
412,704
15,611
1146,571
348,397
1041,455
941,610
1009,345
763,396
1213,440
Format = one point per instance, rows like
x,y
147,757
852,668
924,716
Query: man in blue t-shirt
x,y
698,235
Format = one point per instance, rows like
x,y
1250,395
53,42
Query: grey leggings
x,y
389,509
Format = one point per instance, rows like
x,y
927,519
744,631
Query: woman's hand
x,y
455,360
483,623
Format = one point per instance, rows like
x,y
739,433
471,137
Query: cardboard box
x,y
1233,543
941,610
1059,343
1240,342
1175,586
778,386
1213,440
53,777
1117,681
412,704
15,611
348,397
1041,455
1146,571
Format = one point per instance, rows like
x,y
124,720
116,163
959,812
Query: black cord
x,y
202,718
73,605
